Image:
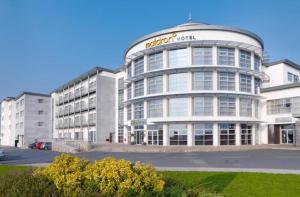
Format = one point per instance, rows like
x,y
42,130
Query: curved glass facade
x,y
196,94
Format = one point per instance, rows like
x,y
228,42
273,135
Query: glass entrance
x,y
138,133
287,134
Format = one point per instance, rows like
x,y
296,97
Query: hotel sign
x,y
138,122
169,39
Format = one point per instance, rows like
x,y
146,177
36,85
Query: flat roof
x,y
285,61
83,76
32,93
195,26
281,87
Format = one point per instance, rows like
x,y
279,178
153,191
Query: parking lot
x,y
254,159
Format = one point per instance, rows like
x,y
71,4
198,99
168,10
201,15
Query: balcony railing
x,y
92,88
92,105
83,91
92,122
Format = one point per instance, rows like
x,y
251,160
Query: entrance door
x,y
287,134
138,137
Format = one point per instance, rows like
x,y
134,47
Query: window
x,y
256,63
203,106
155,134
155,84
226,81
202,80
227,134
178,58
256,105
21,114
139,88
227,106
129,92
279,106
178,107
245,107
178,82
226,56
245,83
120,134
246,134
17,116
129,112
155,108
121,116
290,77
245,59
257,83
40,100
203,134
296,78
178,134
202,56
40,124
139,110
21,125
155,61
22,102
40,112
139,66
129,71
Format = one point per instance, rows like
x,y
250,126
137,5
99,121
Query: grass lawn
x,y
6,168
240,184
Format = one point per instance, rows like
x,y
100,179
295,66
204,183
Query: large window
x,y
257,83
292,77
155,108
227,106
129,112
256,105
155,135
279,106
178,134
178,107
178,82
202,56
246,134
245,107
155,61
227,134
202,80
203,106
129,91
129,71
245,83
226,81
256,63
203,134
226,56
139,88
139,110
245,59
155,85
178,58
139,66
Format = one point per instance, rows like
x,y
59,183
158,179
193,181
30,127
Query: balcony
x,y
84,123
77,94
77,124
84,106
92,87
77,109
92,122
92,105
83,91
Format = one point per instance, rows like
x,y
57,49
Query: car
x,y
38,145
32,146
46,146
2,154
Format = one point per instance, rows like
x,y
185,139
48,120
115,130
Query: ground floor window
x,y
246,134
227,134
91,136
203,134
139,134
155,135
78,135
178,134
120,134
287,133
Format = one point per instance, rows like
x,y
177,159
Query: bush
x,y
26,185
107,177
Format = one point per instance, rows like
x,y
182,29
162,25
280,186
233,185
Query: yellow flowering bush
x,y
107,177
67,173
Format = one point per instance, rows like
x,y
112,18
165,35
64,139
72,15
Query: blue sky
x,y
44,44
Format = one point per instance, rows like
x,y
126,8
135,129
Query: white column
x,y
190,59
252,84
237,106
215,55
165,83
145,86
215,106
190,81
215,80
190,135
237,81
237,134
165,108
253,108
126,139
253,134
165,59
216,134
132,68
165,135
145,63
145,109
190,107
252,61
237,59
145,134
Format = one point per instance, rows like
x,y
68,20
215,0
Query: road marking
x,y
235,157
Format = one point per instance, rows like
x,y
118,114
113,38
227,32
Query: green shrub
x,y
26,185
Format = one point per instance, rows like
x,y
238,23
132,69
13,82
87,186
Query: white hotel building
x,y
194,84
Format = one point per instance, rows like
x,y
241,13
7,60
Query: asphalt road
x,y
254,159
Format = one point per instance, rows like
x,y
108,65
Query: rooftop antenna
x,y
190,17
